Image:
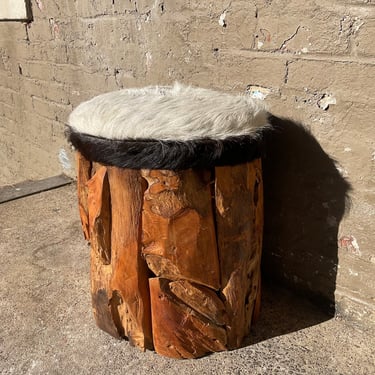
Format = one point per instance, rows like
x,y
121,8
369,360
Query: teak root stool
x,y
171,200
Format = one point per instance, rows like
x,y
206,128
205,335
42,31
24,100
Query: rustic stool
x,y
170,198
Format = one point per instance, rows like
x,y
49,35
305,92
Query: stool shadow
x,y
305,198
283,312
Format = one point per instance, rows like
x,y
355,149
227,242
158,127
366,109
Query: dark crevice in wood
x,y
102,312
105,224
256,192
214,217
144,186
115,303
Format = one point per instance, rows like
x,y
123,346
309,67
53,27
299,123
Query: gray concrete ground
x,y
47,326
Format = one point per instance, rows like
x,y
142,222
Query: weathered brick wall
x,y
313,62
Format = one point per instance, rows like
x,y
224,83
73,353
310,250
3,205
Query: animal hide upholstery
x,y
176,127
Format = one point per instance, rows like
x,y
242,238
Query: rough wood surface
x,y
101,269
175,259
201,299
99,211
178,331
113,200
256,174
130,273
83,176
239,199
258,299
178,227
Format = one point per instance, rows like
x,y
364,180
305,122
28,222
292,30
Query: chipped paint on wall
x,y
258,92
326,101
222,21
148,59
343,172
350,244
39,4
64,159
353,273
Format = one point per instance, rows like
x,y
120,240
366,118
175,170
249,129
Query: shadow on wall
x,y
305,199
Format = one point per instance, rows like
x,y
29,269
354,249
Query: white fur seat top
x,y
178,113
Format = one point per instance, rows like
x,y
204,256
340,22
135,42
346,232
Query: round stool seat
x,y
173,127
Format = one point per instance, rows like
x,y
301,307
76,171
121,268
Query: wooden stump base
x,y
175,256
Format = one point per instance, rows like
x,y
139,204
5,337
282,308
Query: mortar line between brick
x,y
13,91
289,56
59,65
6,104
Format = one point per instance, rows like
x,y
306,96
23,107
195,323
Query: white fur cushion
x,y
178,113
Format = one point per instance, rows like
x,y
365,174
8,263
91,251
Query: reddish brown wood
x,y
99,214
198,231
257,177
179,331
99,210
119,274
178,227
129,281
258,298
83,175
201,299
104,308
238,193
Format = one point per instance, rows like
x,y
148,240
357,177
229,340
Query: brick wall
x,y
313,62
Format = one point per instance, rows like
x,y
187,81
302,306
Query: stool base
x,y
175,256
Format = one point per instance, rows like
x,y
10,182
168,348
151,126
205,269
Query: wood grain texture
x,y
257,176
99,210
178,227
119,274
201,299
239,220
175,259
83,175
178,331
105,314
129,270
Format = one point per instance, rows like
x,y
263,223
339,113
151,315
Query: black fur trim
x,y
172,155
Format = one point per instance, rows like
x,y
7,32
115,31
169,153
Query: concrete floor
x,y
47,326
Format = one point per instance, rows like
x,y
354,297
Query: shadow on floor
x,y
305,199
283,312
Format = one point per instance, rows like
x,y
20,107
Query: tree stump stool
x,y
170,199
